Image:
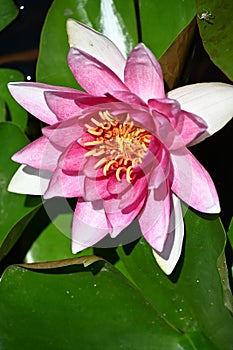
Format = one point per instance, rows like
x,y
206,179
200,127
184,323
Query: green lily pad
x,y
17,114
162,21
2,110
192,297
86,304
16,209
52,65
216,27
53,242
8,12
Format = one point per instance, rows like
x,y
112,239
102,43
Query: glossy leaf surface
x,y
82,307
216,27
16,113
14,208
53,242
192,298
162,21
2,110
8,12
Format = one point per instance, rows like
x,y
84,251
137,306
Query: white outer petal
x,y
28,180
168,258
97,45
213,102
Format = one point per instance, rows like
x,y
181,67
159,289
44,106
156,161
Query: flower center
x,y
120,145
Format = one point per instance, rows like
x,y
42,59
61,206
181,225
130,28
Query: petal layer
x,y
28,180
31,97
155,216
143,74
213,102
192,183
90,225
63,104
97,45
167,259
63,185
93,75
39,154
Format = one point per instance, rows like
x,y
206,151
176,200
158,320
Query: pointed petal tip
x,y
97,45
170,255
165,267
71,28
75,248
215,209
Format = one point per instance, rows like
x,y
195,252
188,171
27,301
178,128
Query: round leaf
x,y
91,307
192,297
216,27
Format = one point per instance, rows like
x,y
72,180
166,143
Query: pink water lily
x,y
120,147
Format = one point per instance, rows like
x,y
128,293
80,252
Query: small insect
x,y
206,16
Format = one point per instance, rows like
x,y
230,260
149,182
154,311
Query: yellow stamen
x,y
120,142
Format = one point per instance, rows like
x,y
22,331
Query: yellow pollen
x,y
119,144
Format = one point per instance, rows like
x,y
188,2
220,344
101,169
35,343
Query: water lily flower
x,y
120,147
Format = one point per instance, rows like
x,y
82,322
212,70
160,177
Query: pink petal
x,y
121,218
63,185
90,100
142,118
134,194
90,225
155,216
73,159
143,74
161,167
213,102
89,170
127,97
39,154
86,137
168,258
62,134
31,97
92,75
187,125
167,107
97,45
192,183
117,187
63,104
190,126
95,189
167,134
